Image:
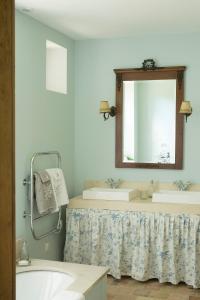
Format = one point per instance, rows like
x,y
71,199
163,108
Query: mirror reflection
x,y
149,121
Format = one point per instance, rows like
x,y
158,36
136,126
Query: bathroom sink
x,y
185,197
109,194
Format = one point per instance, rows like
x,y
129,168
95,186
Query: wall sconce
x,y
186,109
106,110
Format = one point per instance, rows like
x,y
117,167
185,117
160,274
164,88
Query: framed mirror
x,y
149,127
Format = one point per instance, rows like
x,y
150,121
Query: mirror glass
x,y
149,127
149,121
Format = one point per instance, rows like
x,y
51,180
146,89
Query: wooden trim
x,y
157,69
7,178
140,74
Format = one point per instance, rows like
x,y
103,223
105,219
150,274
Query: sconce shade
x,y
185,108
104,107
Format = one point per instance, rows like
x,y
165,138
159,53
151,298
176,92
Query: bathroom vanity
x,y
138,238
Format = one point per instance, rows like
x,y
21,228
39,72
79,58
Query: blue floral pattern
x,y
142,245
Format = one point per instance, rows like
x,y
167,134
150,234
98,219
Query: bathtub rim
x,y
86,276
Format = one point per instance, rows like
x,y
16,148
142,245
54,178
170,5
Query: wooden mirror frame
x,y
156,73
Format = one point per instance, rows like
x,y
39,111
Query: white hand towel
x,y
69,295
59,186
44,194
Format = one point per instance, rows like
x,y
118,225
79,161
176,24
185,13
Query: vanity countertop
x,y
85,276
135,205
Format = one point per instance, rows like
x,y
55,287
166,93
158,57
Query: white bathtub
x,y
45,285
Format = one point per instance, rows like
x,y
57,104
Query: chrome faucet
x,y
113,184
182,186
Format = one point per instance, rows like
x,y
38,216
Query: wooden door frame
x,y
7,151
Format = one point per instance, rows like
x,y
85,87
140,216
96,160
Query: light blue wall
x,y
95,80
47,120
44,120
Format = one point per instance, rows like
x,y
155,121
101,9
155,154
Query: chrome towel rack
x,y
30,183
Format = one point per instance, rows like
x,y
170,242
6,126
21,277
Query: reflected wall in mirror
x,y
149,129
149,115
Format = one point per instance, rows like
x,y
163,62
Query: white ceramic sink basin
x,y
109,194
176,197
41,285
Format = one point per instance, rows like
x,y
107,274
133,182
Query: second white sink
x,y
109,194
185,197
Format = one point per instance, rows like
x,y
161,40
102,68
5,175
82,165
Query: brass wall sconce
x,y
186,109
106,110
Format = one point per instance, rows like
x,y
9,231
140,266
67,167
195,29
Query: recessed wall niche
x,y
56,68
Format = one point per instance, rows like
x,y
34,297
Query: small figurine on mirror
x,y
149,64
